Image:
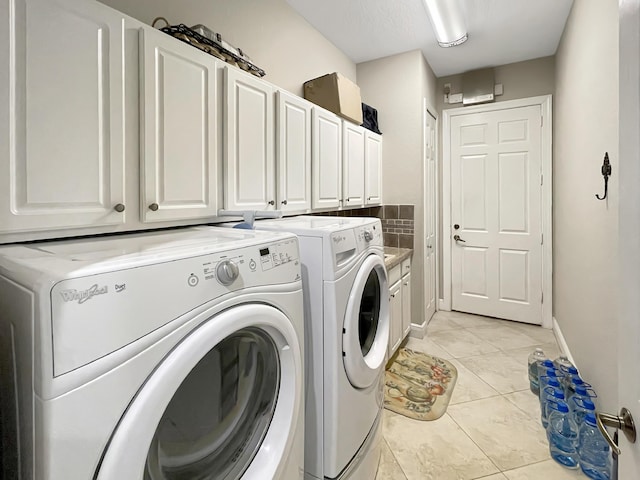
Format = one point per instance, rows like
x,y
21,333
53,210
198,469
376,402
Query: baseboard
x,y
441,305
418,330
562,343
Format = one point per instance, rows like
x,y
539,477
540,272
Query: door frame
x,y
544,101
427,109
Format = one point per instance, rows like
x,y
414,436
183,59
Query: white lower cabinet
x,y
395,314
400,304
179,129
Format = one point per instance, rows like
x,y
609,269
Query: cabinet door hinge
x,y
541,120
542,239
542,297
542,179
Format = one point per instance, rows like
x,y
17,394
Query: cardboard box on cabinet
x,y
336,93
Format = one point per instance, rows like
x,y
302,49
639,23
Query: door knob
x,y
623,422
284,202
272,202
458,239
119,208
154,207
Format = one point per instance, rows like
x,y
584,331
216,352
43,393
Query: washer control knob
x,y
368,236
227,272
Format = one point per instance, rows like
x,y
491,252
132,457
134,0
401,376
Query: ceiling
x,y
500,31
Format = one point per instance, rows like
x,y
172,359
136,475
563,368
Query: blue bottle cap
x,y
550,381
551,372
562,407
572,371
590,418
547,363
583,402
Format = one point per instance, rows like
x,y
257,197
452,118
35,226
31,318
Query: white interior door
x,y
629,233
430,158
496,213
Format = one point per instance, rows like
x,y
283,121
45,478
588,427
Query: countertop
x,y
396,256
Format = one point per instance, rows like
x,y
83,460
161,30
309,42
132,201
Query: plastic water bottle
x,y
563,363
574,382
550,395
593,450
563,435
566,377
535,358
549,378
584,393
580,407
544,366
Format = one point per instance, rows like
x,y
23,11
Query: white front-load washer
x,y
156,356
347,328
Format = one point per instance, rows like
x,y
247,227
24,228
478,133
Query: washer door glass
x,y
369,312
219,416
365,333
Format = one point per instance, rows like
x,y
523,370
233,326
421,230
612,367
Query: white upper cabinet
x,y
248,142
372,168
326,159
353,164
293,153
179,129
61,115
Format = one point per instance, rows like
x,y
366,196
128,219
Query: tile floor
x,y
492,429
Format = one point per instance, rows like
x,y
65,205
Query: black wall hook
x,y
606,171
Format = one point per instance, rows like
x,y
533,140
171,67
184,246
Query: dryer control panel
x,y
95,315
346,244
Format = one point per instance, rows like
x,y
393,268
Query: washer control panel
x,y
95,315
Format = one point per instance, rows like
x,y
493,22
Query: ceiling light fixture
x,y
447,21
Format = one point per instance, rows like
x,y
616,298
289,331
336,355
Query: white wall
x,y
276,38
585,229
395,86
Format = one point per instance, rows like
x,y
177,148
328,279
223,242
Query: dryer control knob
x,y
368,236
227,272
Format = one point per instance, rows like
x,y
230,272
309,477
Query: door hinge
x,y
542,239
542,179
541,120
542,297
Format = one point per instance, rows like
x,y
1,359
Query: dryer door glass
x,y
217,419
369,312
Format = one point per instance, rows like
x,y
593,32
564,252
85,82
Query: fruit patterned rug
x,y
418,385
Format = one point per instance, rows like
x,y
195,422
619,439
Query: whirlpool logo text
x,y
82,296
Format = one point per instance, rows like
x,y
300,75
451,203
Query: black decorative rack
x,y
193,38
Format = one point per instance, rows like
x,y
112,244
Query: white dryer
x,y
156,356
347,327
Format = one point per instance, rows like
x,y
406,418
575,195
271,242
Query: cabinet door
x,y
61,115
326,159
395,314
406,304
249,151
178,90
352,164
293,152
372,168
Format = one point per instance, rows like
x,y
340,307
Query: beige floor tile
x,y
427,345
544,470
388,468
525,401
508,436
521,355
437,450
499,370
469,386
462,343
497,476
504,336
468,320
442,321
541,335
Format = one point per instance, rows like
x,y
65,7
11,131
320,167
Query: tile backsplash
x,y
397,222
